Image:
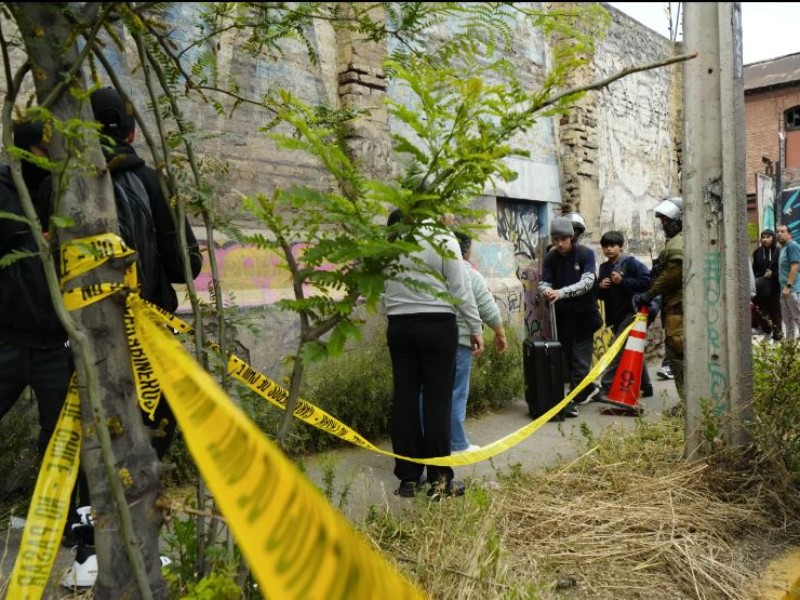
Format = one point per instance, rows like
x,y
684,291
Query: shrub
x,y
356,389
776,403
496,379
19,461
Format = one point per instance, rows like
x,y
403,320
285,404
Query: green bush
x,y
776,403
496,379
19,461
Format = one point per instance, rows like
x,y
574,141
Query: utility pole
x,y
718,352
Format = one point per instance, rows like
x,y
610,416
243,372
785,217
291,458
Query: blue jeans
x,y
458,433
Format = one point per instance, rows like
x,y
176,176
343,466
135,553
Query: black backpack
x,y
137,228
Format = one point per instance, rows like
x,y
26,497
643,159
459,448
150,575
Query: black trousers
x,y
768,317
47,370
423,351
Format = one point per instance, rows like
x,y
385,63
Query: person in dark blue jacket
x,y
568,276
620,278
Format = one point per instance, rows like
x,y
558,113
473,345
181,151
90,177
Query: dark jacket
x,y
767,258
27,316
574,275
618,299
124,158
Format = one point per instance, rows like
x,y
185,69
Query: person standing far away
x,y
788,264
578,224
669,284
768,288
620,278
568,276
422,336
490,314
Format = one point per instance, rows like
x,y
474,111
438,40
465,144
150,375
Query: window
x,y
792,118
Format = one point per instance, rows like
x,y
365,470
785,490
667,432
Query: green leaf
x,y
312,352
15,255
14,217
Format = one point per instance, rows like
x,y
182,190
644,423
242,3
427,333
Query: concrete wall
x,y
612,157
621,146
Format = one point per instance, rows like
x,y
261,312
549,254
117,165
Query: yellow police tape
x,y
238,462
148,389
316,417
297,545
48,511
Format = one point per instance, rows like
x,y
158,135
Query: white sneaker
x,y
665,372
469,448
81,574
85,574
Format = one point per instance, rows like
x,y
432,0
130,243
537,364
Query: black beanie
x,y
113,113
767,232
464,241
28,133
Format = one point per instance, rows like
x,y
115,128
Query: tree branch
x,y
598,85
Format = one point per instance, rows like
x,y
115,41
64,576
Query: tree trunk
x,y
50,39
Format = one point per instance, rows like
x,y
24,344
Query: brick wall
x,y
763,112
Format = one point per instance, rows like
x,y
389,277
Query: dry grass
x,y
628,519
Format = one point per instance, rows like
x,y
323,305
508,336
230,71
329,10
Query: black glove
x,y
642,300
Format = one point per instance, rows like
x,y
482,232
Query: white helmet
x,y
578,223
671,208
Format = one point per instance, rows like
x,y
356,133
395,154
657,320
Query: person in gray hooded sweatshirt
x,y
423,336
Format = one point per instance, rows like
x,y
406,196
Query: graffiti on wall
x,y
255,275
520,222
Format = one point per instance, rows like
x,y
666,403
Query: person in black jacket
x,y
34,347
118,124
568,275
619,279
767,302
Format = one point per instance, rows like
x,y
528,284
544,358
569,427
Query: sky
x,y
769,29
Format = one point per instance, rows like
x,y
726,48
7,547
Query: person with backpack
x,y
568,276
145,221
146,224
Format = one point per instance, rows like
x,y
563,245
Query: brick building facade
x,y
772,132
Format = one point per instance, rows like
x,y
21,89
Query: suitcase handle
x,y
553,325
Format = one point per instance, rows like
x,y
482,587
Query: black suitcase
x,y
544,373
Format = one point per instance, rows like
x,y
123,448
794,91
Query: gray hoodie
x,y
487,307
399,299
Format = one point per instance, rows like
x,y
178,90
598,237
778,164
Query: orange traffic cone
x,y
624,391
